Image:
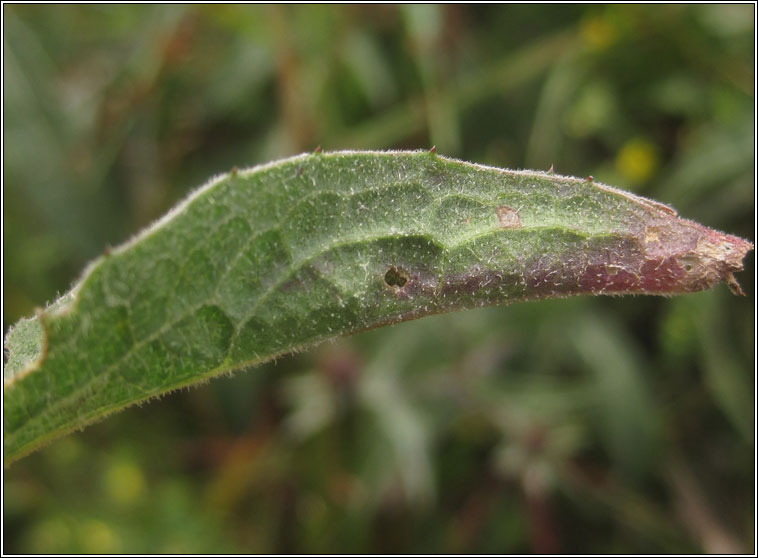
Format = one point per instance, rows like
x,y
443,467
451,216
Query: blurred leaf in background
x,y
585,425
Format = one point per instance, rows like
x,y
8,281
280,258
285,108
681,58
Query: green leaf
x,y
264,261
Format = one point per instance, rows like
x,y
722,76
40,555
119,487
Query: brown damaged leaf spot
x,y
508,217
651,235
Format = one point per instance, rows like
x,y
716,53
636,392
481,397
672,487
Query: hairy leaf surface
x,y
263,261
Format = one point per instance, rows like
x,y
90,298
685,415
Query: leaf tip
x,y
733,285
716,257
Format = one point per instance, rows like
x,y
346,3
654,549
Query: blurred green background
x,y
581,425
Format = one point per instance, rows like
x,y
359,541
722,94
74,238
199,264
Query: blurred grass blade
x,y
261,262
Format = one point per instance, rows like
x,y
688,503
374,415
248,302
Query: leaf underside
x,y
263,261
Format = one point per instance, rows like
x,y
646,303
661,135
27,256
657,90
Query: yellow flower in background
x,y
597,32
97,537
637,160
124,483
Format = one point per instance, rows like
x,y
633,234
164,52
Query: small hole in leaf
x,y
689,263
395,278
